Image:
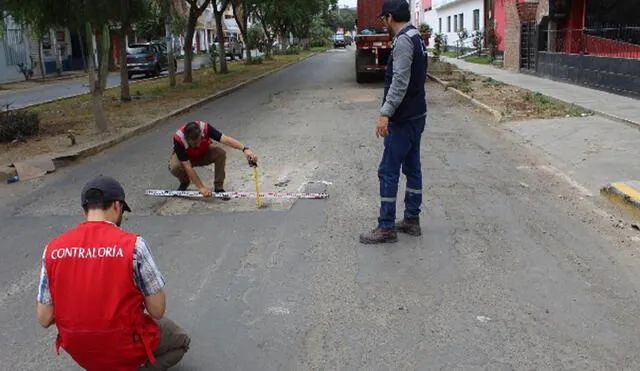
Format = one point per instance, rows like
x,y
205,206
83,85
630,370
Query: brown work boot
x,y
410,227
379,235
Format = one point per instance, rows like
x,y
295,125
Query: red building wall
x,y
500,18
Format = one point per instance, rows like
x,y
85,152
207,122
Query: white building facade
x,y
416,12
452,16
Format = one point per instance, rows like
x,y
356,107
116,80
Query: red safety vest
x,y
194,152
98,310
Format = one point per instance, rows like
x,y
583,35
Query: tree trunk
x,y
56,51
269,37
105,48
96,92
220,32
43,70
240,14
82,51
125,94
170,43
188,47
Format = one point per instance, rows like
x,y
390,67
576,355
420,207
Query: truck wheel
x,y
361,77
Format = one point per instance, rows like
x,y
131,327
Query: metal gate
x,y
528,45
15,47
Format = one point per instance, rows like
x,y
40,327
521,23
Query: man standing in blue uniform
x,y
401,124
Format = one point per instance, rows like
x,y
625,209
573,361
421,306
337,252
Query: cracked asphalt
x,y
514,270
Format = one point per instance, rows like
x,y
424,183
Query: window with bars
x,y
449,24
461,22
439,25
476,19
455,23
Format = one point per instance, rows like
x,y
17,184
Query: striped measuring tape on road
x,y
270,195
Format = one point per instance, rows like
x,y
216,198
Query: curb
x,y
447,86
63,159
633,124
625,194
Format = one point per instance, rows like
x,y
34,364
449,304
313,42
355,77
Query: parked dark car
x,y
147,58
348,40
232,47
339,41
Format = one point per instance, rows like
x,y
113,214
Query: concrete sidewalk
x,y
606,104
594,154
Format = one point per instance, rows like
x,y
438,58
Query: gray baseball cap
x,y
110,188
393,6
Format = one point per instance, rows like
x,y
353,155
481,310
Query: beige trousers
x,y
174,343
215,155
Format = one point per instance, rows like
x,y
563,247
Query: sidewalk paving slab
x,y
613,106
595,154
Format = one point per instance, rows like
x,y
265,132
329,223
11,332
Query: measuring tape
x,y
268,195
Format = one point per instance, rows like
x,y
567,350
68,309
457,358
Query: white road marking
x,y
277,310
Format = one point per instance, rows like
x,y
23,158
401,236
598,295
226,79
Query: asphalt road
x,y
514,270
68,88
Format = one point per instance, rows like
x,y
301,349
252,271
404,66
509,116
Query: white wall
x,y
18,44
416,13
430,17
452,9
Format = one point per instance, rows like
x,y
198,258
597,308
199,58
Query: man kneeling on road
x,y
96,281
193,146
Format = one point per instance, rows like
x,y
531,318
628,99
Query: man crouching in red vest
x,y
193,146
95,284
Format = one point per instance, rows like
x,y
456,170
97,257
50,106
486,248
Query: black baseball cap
x,y
393,6
110,188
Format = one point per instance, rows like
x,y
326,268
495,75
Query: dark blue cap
x,y
110,188
393,6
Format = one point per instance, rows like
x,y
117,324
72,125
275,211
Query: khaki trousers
x,y
215,155
174,343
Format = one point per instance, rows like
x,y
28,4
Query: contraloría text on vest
x,y
87,253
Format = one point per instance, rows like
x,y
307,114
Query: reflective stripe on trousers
x,y
401,151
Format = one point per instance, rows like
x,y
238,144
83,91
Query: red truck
x,y
373,42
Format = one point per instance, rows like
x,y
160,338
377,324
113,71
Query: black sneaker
x,y
183,186
225,197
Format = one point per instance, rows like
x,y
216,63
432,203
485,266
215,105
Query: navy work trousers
x,y
401,150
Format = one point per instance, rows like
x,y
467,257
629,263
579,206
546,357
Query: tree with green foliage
x,y
94,17
264,11
255,37
341,18
241,13
282,17
196,8
130,12
320,33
